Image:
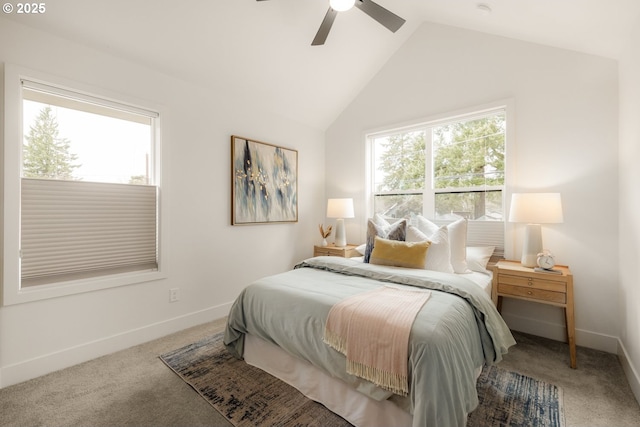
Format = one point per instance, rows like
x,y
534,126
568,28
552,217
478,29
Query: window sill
x,y
16,295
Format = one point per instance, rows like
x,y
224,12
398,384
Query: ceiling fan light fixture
x,y
341,5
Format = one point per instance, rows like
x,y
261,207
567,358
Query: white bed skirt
x,y
355,407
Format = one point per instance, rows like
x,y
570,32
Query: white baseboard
x,y
630,371
41,365
558,332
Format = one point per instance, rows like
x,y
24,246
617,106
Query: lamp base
x,y
532,245
341,236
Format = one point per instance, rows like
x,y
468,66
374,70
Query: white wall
x,y
629,263
566,140
209,260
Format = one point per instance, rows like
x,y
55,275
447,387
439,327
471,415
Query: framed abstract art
x,y
264,185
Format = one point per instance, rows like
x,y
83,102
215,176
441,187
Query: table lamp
x,y
534,209
340,209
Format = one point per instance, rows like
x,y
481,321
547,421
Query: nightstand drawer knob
x,y
529,293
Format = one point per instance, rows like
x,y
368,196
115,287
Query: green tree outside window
x,y
45,154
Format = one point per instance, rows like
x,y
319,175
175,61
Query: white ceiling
x,y
263,48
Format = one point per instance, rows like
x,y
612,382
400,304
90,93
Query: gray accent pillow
x,y
395,231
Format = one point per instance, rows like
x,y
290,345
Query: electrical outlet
x,y
174,295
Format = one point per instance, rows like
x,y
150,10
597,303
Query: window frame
x,y
12,292
506,105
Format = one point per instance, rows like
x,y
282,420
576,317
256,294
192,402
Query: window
x,y
442,170
89,206
82,187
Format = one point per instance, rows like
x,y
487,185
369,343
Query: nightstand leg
x,y
571,325
499,305
571,334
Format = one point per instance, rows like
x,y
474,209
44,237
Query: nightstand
x,y
512,280
348,251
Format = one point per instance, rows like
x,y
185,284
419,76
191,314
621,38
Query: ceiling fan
x,y
385,17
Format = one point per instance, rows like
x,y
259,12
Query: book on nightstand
x,y
544,270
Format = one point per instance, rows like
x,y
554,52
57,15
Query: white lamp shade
x,y
536,208
341,5
340,208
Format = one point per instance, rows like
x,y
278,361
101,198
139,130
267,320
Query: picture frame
x,y
264,182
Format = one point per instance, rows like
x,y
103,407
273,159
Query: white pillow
x,y
457,240
424,225
438,254
478,257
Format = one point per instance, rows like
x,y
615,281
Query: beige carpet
x,y
134,387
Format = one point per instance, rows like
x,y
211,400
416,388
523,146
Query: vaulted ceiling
x,y
264,47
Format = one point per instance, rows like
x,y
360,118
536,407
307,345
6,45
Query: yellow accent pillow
x,y
397,253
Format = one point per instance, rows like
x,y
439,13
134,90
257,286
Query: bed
x,y
277,324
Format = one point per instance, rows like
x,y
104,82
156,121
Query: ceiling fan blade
x,y
323,31
387,18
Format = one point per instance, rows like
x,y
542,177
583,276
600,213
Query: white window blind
x,y
74,229
483,233
47,94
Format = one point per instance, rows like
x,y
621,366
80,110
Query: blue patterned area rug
x,y
511,399
247,396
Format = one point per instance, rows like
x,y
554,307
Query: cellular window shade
x,y
483,233
74,229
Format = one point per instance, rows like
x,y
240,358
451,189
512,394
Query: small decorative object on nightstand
x,y
546,262
512,280
324,233
347,251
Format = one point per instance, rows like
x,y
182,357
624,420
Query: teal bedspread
x,y
455,333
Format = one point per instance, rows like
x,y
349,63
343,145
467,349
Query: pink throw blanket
x,y
372,330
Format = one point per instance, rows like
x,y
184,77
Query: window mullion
x,y
428,207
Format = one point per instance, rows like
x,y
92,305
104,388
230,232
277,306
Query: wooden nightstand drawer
x,y
531,292
321,252
327,252
348,251
533,282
